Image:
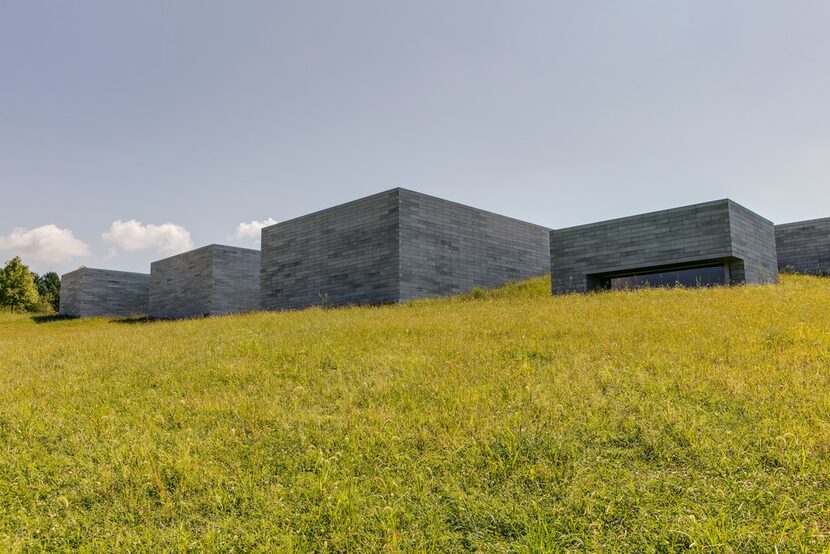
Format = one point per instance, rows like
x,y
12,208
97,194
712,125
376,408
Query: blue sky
x,y
129,131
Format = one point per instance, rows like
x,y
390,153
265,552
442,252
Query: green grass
x,y
506,420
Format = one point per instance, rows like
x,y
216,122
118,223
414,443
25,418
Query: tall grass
x,y
508,420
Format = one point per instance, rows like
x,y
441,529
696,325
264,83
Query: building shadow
x,y
133,320
39,319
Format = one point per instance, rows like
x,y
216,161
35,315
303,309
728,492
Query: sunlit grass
x,y
504,420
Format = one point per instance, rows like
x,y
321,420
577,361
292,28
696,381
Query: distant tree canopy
x,y
49,289
21,290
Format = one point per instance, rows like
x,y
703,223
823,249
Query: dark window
x,y
691,277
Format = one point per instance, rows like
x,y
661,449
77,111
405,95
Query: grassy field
x,y
510,420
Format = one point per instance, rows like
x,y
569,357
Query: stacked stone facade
x,y
343,255
393,246
212,280
90,292
448,248
400,245
804,246
709,233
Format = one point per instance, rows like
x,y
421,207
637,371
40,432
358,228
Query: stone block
x,y
212,280
90,292
716,233
804,246
394,246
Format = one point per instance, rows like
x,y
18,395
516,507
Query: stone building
x,y
212,280
718,242
804,246
90,292
394,246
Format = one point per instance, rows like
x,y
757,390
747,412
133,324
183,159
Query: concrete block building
x,y
211,280
395,246
716,242
90,292
804,246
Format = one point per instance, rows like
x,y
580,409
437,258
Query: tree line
x,y
22,290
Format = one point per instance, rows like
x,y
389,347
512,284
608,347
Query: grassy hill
x,y
505,421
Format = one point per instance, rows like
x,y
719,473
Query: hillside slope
x,y
509,420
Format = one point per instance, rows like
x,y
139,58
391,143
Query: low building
x,y
90,292
713,243
804,246
212,280
395,246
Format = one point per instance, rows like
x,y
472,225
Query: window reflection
x,y
693,277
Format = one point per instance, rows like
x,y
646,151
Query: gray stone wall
x,y
347,254
753,243
69,303
710,232
182,285
235,280
393,246
211,280
90,292
448,248
804,246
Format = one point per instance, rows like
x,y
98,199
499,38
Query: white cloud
x,y
134,235
252,230
47,243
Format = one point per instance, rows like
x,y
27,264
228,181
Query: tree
x,y
49,289
18,291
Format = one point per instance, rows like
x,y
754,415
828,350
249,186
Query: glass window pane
x,y
693,277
